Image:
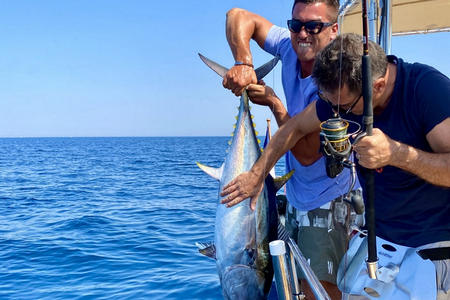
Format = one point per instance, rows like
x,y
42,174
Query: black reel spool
x,y
335,145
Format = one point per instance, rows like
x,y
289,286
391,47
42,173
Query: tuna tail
x,y
221,70
215,173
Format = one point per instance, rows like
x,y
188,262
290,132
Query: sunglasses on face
x,y
344,107
311,27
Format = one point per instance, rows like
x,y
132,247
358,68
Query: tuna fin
x,y
215,173
221,70
207,249
280,181
266,68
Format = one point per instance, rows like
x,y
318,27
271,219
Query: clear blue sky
x,y
130,68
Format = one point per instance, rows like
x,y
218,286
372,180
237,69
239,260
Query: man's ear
x,y
379,85
334,31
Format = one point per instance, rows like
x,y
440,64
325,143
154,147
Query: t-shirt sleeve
x,y
278,41
433,93
323,110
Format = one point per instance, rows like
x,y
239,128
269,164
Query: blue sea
x,y
107,218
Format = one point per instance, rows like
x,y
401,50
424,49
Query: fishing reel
x,y
336,147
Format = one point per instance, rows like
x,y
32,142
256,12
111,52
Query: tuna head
x,y
242,282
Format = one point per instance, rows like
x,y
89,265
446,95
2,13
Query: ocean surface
x,y
107,218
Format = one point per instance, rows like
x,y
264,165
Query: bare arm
x,y
241,26
380,150
249,184
306,150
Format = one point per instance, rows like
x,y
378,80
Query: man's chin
x,y
304,58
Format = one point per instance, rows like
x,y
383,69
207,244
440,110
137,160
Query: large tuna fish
x,y
242,236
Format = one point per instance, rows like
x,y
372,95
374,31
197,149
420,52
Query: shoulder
x,y
430,90
418,73
278,41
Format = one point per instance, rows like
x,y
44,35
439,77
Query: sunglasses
x,y
336,107
311,27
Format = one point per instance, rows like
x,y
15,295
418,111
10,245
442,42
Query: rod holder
x,y
280,266
295,286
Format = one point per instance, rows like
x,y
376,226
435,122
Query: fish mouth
x,y
242,282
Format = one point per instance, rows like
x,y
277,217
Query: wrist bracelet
x,y
240,63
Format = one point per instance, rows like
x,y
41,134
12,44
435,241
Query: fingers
x,y
255,90
237,91
235,88
229,188
235,191
253,87
255,199
238,77
234,196
260,94
229,203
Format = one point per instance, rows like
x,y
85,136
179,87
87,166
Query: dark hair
x,y
333,4
342,59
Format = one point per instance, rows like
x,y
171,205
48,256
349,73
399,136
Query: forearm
x,y
432,167
283,140
286,137
279,111
306,150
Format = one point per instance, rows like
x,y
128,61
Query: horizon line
x,y
114,136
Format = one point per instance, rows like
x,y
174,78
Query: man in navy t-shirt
x,y
410,145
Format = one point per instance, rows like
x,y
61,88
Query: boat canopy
x,y
408,17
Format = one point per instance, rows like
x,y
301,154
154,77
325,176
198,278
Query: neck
x,y
307,67
385,97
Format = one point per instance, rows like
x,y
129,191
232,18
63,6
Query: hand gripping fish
x,y
242,236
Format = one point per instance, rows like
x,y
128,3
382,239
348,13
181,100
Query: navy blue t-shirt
x,y
409,211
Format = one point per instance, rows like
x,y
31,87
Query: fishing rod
x,y
372,259
337,148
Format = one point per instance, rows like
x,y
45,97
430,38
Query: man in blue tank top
x,y
410,145
309,191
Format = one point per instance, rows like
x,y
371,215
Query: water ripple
x,y
107,218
